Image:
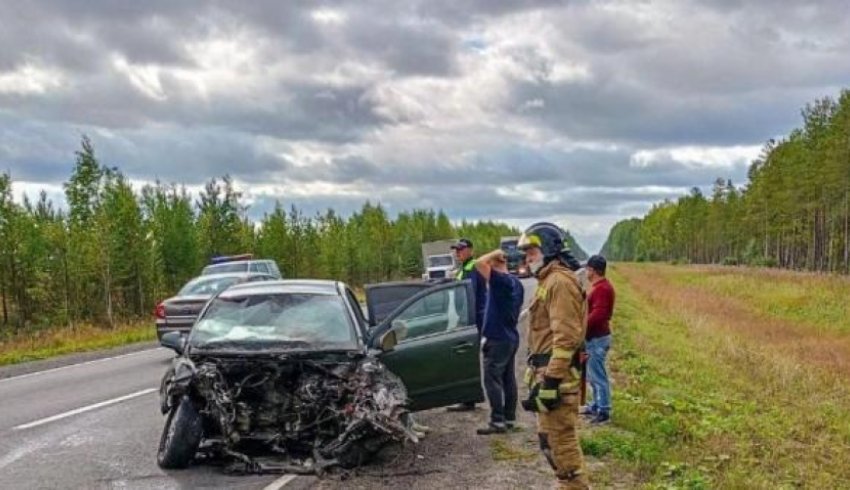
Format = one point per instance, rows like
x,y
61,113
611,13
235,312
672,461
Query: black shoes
x,y
601,418
492,429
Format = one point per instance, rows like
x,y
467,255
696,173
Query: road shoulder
x,y
71,359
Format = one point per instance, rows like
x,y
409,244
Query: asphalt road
x,y
97,425
94,425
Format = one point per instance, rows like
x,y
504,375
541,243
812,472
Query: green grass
x,y
696,406
502,450
58,341
811,299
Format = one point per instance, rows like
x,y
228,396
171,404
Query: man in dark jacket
x,y
500,340
464,252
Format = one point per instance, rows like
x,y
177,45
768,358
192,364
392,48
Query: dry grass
x,y
57,341
745,397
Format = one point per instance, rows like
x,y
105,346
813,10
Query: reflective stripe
x,y
529,377
467,267
547,394
569,386
559,353
540,406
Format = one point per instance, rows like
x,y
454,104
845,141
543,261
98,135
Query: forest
x,y
793,212
112,252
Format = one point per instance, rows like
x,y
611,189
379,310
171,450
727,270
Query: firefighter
x,y
556,330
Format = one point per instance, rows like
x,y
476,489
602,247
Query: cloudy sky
x,y
583,112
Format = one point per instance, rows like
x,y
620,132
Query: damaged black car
x,y
290,377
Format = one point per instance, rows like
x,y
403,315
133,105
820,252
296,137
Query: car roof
x,y
286,286
225,275
243,261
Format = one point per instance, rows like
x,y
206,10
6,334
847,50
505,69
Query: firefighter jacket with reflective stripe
x,y
557,320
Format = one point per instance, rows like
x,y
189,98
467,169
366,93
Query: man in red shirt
x,y
600,307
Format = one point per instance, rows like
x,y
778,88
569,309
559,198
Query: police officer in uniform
x,y
556,331
463,250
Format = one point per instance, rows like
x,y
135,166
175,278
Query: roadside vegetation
x,y
46,343
115,249
719,384
793,211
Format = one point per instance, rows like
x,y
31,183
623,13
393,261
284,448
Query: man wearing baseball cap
x,y
463,250
600,308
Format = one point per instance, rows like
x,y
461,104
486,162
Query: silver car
x,y
179,312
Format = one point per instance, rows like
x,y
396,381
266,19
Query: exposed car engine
x,y
288,415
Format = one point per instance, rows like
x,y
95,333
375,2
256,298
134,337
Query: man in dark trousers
x,y
500,340
600,308
463,250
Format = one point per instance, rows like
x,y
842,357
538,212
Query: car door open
x,y
437,351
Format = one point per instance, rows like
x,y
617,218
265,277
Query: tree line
x,y
113,252
793,212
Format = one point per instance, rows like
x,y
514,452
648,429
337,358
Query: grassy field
x,y
57,341
728,378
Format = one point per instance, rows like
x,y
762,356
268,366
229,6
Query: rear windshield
x,y
207,286
225,268
300,320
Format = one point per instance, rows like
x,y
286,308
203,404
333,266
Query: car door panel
x,y
439,359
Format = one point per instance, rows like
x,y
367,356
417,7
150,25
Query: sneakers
x,y
588,411
492,429
512,426
601,418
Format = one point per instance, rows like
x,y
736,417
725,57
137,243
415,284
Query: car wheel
x,y
181,436
164,384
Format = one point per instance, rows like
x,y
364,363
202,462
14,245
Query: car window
x,y
207,286
225,268
273,269
440,261
258,320
435,312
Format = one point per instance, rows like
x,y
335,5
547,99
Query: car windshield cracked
x,y
275,320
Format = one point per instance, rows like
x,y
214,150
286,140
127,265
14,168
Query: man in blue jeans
x,y
600,308
500,340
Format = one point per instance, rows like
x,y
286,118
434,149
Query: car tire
x,y
181,436
164,384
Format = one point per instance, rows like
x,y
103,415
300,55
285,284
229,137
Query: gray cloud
x,y
488,109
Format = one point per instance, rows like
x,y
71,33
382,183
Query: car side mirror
x,y
388,341
400,329
174,341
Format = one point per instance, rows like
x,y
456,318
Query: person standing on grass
x,y
500,340
600,308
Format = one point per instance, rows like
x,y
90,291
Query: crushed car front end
x,y
279,384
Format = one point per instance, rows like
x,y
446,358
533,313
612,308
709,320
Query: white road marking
x,y
280,482
60,368
80,410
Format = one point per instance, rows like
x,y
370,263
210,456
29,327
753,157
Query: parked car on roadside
x,y
179,312
290,376
242,263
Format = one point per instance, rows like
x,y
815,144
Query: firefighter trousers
x,y
557,430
